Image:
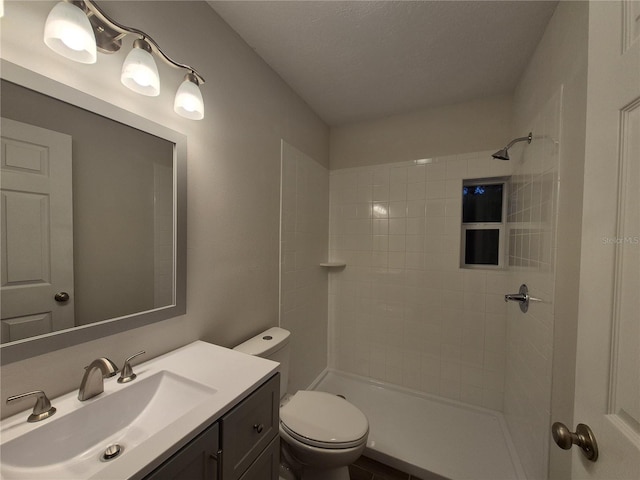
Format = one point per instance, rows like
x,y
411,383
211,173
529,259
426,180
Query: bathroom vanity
x,y
244,444
201,411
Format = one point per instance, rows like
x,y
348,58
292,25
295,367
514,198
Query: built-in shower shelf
x,y
333,264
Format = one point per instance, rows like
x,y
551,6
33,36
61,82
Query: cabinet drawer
x,y
267,466
249,428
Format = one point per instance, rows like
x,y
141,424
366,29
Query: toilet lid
x,y
324,420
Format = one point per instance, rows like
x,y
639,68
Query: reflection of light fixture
x,y
139,70
379,210
76,28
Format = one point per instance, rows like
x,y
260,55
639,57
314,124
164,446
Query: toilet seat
x,y
323,420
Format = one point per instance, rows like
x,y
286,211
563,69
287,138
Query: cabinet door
x,y
249,428
267,466
196,461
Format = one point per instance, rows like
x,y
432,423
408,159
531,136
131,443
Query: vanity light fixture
x,y
68,32
139,70
188,101
76,29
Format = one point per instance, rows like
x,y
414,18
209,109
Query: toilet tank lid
x,y
265,343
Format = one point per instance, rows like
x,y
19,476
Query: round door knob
x,y
582,437
562,436
258,427
61,297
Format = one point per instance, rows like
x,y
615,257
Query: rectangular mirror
x,y
93,217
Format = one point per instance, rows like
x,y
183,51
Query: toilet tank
x,y
272,344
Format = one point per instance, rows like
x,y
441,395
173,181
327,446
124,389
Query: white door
x,y
607,396
37,231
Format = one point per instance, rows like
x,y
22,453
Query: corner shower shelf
x,y
333,264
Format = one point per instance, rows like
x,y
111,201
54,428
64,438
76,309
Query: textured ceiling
x,y
358,60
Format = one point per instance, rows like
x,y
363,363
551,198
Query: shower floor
x,y
428,436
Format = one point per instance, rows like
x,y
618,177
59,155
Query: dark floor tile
x,y
357,473
384,477
379,470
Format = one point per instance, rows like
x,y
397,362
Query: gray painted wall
x,y
478,125
233,176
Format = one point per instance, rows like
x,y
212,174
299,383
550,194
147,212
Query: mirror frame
x,y
39,345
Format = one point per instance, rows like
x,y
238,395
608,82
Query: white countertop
x,y
232,374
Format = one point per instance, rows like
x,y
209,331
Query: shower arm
x,y
528,139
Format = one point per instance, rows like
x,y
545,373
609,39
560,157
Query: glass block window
x,y
483,223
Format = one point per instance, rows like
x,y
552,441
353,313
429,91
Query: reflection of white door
x,y
37,231
607,396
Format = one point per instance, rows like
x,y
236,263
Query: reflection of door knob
x,y
583,437
61,297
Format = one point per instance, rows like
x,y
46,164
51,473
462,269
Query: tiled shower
x,y
304,226
532,222
403,311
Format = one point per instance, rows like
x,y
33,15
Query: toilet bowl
x,y
321,433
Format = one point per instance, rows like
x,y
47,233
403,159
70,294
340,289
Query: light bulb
x,y
139,70
68,32
189,102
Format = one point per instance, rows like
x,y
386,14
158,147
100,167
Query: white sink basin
x,y
71,445
175,397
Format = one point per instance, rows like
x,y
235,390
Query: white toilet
x,y
321,433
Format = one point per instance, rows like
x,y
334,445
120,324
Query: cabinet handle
x,y
218,458
258,427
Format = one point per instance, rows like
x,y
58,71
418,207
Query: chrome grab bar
x,y
523,297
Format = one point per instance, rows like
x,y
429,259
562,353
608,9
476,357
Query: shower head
x,y
503,154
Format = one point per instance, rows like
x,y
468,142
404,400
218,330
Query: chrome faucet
x,y
93,380
41,410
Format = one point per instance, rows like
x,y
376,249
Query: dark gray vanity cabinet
x,y
267,465
196,460
242,445
249,429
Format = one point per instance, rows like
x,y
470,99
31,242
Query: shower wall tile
x,y
304,245
531,225
403,310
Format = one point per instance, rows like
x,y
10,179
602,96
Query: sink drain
x,y
111,452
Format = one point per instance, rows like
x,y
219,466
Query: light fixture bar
x,y
109,35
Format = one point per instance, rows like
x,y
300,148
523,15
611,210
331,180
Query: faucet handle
x,y
41,410
126,375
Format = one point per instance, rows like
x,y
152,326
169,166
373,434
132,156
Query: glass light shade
x,y
68,32
140,73
189,102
